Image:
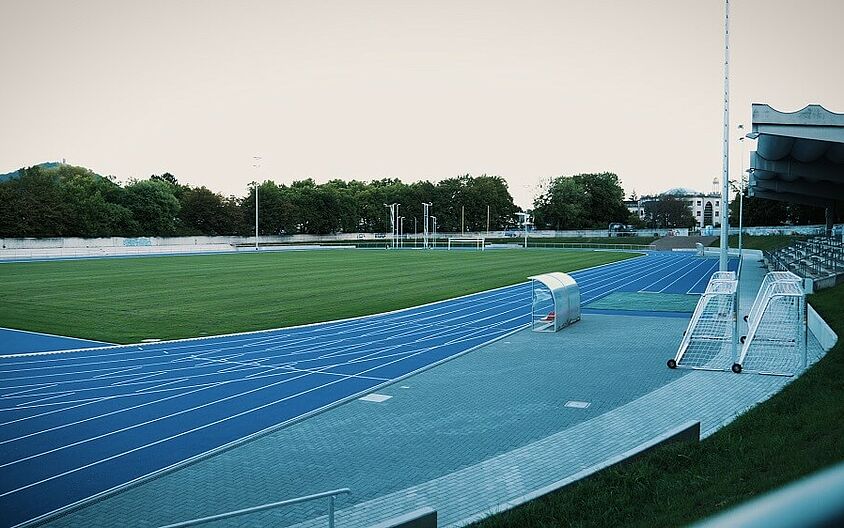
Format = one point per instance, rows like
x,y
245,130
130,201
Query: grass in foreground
x,y
126,300
795,433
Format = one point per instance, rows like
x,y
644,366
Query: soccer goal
x,y
467,243
776,340
764,289
709,342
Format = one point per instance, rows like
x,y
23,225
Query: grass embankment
x,y
796,432
126,300
763,242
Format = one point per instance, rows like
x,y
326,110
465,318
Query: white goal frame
x,y
480,243
710,341
777,336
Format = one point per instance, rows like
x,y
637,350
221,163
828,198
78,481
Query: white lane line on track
x,y
712,268
100,399
683,272
177,435
209,386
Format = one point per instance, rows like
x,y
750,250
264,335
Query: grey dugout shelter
x,y
555,301
799,157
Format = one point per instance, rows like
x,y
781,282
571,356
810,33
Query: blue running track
x,y
74,425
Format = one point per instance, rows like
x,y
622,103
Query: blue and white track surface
x,y
79,424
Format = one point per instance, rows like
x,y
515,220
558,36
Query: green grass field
x,y
126,300
795,433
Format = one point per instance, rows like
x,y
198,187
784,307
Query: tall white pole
x,y
434,240
462,219
256,216
257,165
725,187
487,220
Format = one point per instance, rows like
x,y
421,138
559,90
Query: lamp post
x,y
725,187
257,164
434,240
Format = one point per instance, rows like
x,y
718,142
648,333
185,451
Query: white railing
x,y
237,513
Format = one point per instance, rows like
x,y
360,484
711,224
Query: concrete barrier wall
x,y
687,432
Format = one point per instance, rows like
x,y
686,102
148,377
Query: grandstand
x,y
820,259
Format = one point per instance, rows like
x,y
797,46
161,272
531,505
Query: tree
x,y
581,201
153,205
667,212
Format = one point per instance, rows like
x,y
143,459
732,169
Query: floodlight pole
x,y
426,212
434,240
257,165
725,187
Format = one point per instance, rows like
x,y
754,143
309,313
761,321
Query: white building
x,y
706,207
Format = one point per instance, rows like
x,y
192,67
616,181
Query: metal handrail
x,y
220,516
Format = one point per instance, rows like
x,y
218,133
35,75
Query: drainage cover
x,y
377,398
574,404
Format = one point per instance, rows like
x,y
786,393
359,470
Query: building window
x,y
717,203
716,213
698,202
698,213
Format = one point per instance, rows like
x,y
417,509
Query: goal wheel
x,y
737,368
684,332
742,338
745,318
672,364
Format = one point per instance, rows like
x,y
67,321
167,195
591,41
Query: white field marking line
x,y
700,265
688,265
141,391
623,280
103,350
129,427
437,332
322,347
135,348
293,369
264,374
615,278
37,387
523,284
152,347
712,267
438,315
108,374
652,268
204,426
434,328
54,396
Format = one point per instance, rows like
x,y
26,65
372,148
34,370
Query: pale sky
x,y
409,89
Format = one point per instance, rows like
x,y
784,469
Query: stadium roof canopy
x,y
799,155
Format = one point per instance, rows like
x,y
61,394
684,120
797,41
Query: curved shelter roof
x,y
799,156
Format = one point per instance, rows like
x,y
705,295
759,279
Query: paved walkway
x,y
471,434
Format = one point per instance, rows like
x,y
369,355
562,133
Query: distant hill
x,y
14,173
47,165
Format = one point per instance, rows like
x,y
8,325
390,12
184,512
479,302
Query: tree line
x,y
65,200
70,201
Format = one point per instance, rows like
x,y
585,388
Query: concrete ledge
x,y
421,518
821,330
689,431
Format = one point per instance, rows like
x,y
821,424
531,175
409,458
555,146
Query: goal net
x,y
709,341
466,243
776,331
764,290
